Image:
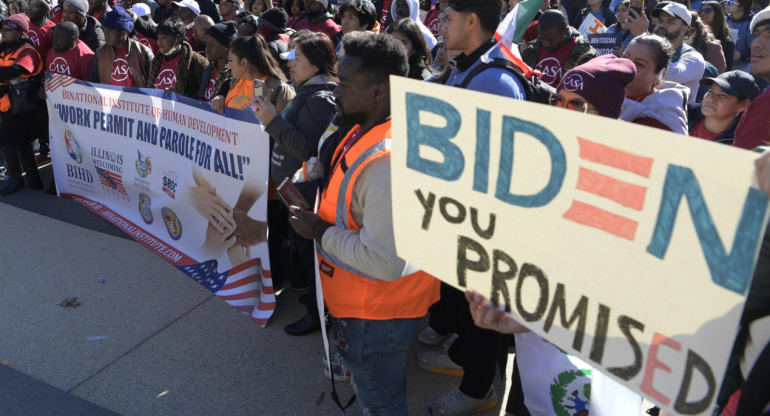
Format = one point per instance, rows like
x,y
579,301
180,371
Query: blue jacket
x,y
493,81
744,38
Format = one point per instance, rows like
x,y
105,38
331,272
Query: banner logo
x,y
173,225
73,148
144,208
107,160
111,181
169,183
143,166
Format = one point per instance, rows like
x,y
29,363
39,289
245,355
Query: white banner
x,y
169,171
629,247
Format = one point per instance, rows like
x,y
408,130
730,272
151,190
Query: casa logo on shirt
x,y
34,37
210,90
166,79
119,70
574,82
551,70
145,42
59,66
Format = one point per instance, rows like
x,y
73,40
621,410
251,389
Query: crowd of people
x,y
696,68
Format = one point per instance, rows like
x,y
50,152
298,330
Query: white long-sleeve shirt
x,y
688,71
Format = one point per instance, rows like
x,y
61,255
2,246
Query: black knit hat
x,y
224,32
275,18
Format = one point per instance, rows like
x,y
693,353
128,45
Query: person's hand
x,y
217,242
763,171
238,254
218,103
303,221
248,231
736,56
213,208
131,13
489,316
618,51
264,110
637,24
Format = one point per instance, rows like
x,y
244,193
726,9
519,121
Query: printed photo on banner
x,y
185,181
577,227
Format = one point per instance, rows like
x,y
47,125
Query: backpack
x,y
534,90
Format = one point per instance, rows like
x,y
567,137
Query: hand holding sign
x,y
488,316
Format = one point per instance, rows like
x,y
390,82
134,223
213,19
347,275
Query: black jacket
x,y
92,34
695,115
296,132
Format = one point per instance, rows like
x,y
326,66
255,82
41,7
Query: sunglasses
x,y
706,10
731,3
556,100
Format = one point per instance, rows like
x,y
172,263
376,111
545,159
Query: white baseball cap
x,y
676,10
763,14
141,9
190,4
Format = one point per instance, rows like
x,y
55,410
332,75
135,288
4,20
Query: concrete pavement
x,y
147,339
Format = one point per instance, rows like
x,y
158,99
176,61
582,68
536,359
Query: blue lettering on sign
x,y
511,126
436,137
731,271
481,169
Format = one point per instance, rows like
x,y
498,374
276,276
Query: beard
x,y
667,35
349,119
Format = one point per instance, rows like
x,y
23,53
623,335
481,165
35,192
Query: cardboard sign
x,y
624,245
604,43
591,25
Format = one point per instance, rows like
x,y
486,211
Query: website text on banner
x,y
635,234
176,176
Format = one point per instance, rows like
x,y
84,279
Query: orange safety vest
x,y
10,59
350,293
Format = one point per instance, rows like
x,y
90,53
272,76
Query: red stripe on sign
x,y
609,156
624,193
598,218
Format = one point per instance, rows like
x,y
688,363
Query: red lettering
x,y
653,364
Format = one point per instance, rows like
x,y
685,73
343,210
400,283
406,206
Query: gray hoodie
x,y
414,14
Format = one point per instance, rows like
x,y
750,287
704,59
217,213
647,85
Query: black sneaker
x,y
11,185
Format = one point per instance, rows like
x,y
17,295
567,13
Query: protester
x,y
739,17
217,77
142,11
754,127
703,41
376,298
727,98
121,61
296,133
98,8
296,9
646,102
687,65
356,15
56,13
40,27
598,10
621,28
247,25
18,61
713,16
68,54
317,19
188,11
273,25
410,9
90,29
259,6
177,68
557,49
201,23
408,33
228,9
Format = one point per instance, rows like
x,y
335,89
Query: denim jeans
x,y
375,353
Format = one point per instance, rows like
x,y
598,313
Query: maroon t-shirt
x,y
121,74
209,94
75,62
431,20
41,36
551,64
754,128
167,75
148,42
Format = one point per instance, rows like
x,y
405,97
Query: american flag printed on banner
x,y
54,81
111,180
247,287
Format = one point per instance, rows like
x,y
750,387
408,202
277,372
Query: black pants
x,y
16,143
478,351
278,226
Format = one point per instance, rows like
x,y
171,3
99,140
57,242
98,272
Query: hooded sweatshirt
x,y
414,14
666,106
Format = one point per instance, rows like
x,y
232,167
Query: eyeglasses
x,y
731,3
706,10
575,105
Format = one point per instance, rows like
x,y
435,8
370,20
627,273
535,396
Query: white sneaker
x,y
438,362
458,404
431,337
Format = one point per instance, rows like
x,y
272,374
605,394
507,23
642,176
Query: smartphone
x,y
259,87
290,195
638,6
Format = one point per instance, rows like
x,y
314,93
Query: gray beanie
x,y
80,6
